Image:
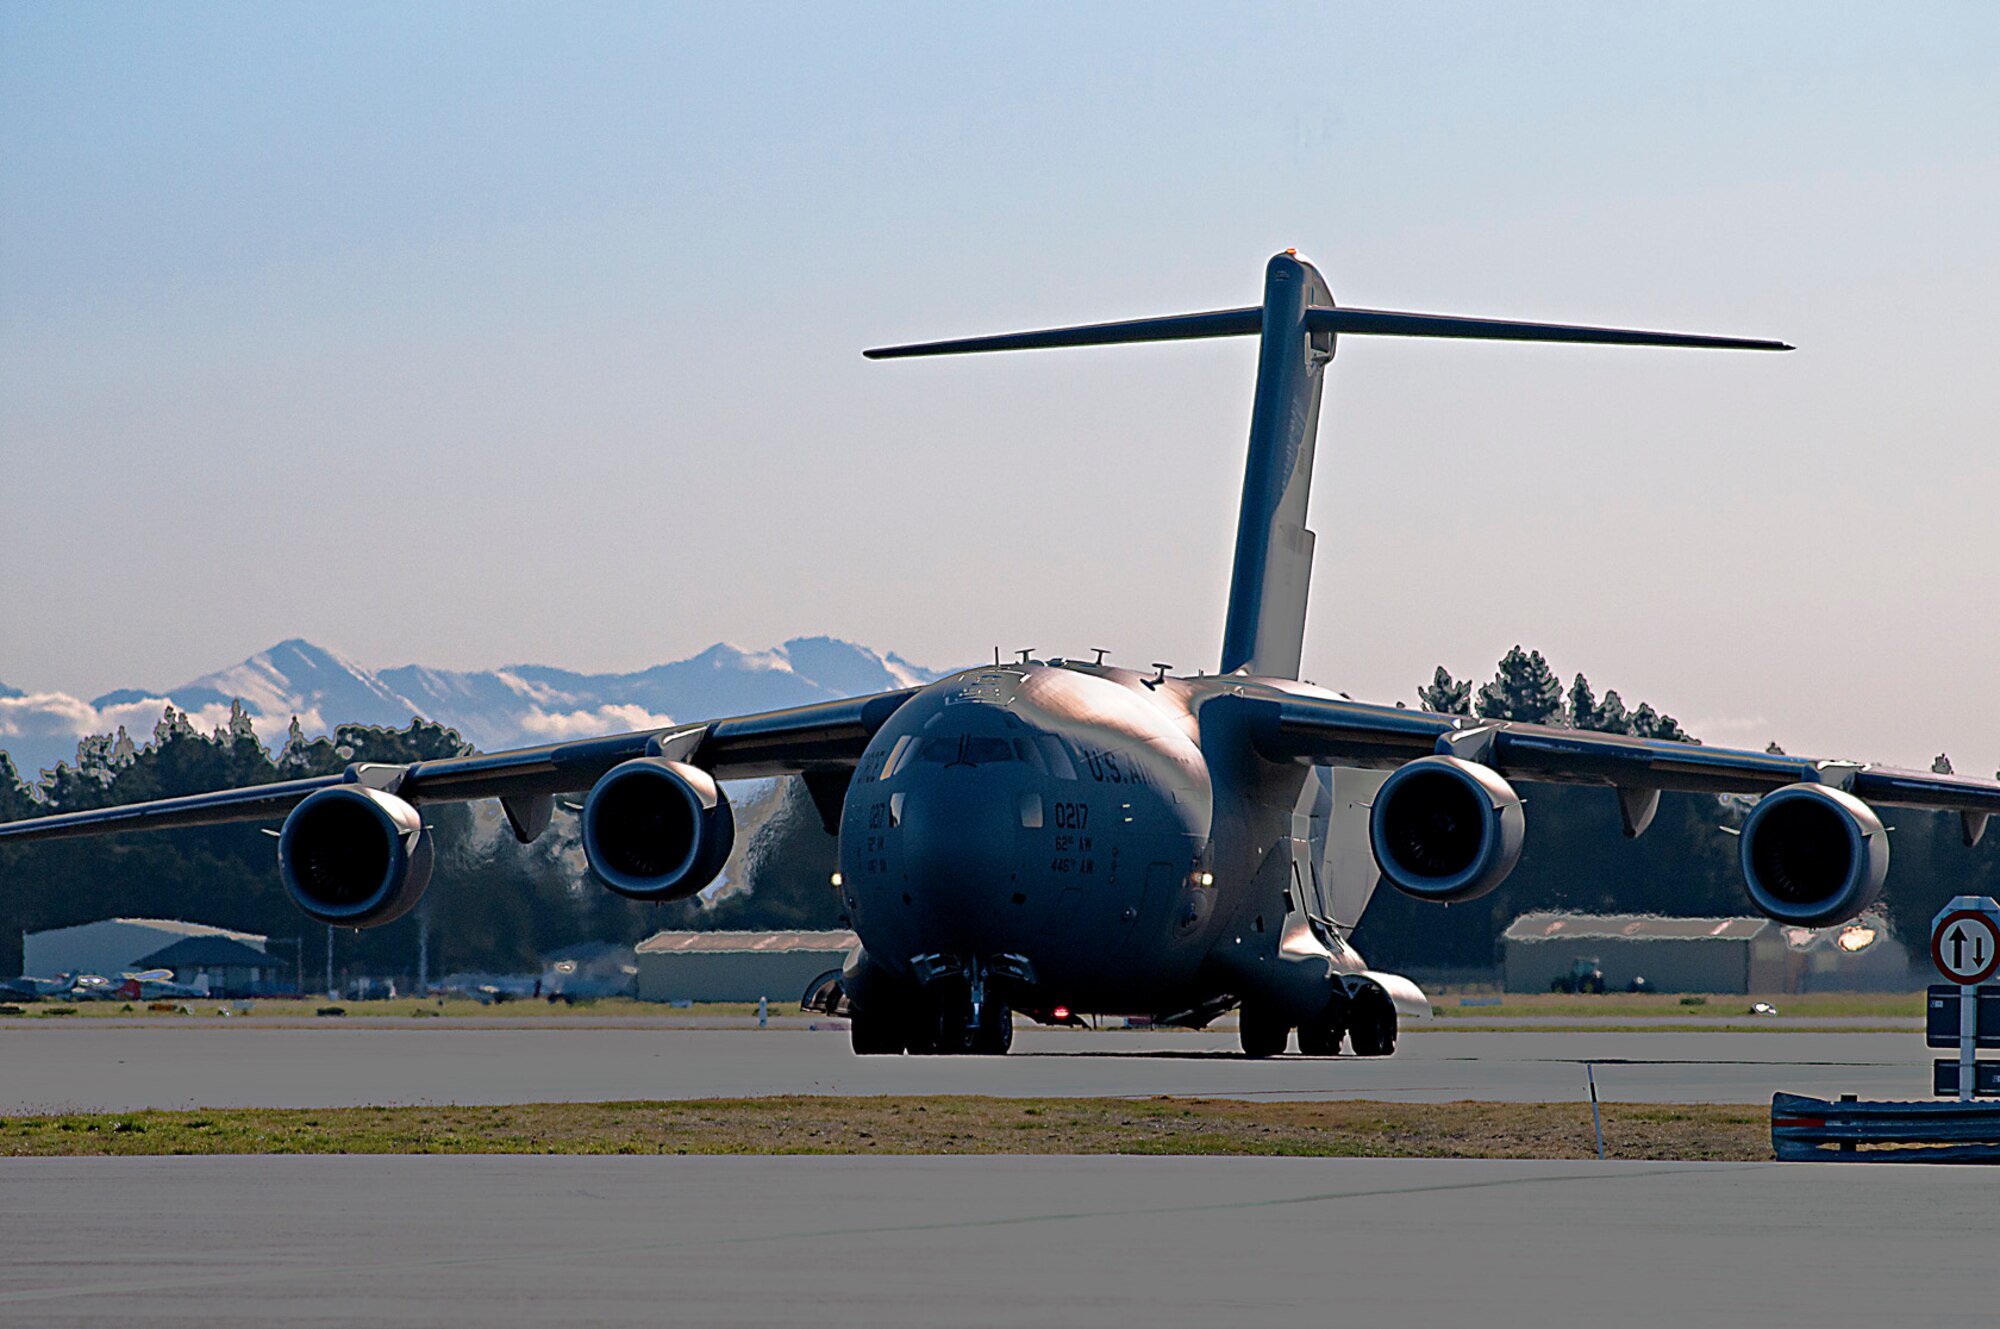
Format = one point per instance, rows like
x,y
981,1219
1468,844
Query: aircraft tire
x,y
1262,1031
877,1035
1320,1036
995,1033
1373,1031
924,1035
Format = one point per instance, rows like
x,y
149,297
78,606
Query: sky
x,y
493,333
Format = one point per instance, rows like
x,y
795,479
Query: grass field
x,y
1849,1005
940,1125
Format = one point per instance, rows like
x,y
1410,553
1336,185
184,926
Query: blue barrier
x,y
1815,1130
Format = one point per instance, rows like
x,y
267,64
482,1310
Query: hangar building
x,y
737,966
231,968
114,946
1721,955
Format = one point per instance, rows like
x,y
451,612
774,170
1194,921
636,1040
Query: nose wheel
x,y
924,1029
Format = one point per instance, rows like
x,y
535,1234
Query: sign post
x,y
1965,946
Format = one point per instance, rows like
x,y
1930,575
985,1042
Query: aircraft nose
x,y
959,833
960,828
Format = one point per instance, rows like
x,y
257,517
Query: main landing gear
x,y
1367,1020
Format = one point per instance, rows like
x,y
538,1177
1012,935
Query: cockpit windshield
x,y
965,750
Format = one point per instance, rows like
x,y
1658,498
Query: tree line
x,y
497,905
494,905
1576,856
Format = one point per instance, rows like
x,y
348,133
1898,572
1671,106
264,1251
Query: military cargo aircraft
x,y
1056,835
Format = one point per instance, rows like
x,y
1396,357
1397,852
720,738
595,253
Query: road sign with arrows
x,y
1965,940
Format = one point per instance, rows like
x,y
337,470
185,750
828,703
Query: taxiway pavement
x,y
78,1066
1163,1242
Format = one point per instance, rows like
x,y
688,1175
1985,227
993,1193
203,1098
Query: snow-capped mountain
x,y
496,708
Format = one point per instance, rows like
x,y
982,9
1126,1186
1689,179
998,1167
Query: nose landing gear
x,y
954,1013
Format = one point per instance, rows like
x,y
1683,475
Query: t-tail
x,y
1299,325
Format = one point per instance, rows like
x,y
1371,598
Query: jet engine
x,y
354,857
655,829
1813,855
1446,829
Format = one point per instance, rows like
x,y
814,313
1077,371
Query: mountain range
x,y
492,708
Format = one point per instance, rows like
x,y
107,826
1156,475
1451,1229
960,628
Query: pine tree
x,y
1648,723
16,799
1582,705
1611,714
1446,695
1524,688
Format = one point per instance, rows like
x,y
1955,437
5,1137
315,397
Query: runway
x,y
503,1242
74,1066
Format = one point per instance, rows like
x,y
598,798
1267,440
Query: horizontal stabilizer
x,y
1174,327
1388,323
1355,322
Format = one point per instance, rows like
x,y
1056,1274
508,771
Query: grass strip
x,y
1694,1009
920,1125
1500,1025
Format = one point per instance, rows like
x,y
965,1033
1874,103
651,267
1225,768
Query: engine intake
x,y
655,829
354,857
1813,855
1446,829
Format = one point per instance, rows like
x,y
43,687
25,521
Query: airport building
x,y
114,946
737,966
1541,952
231,968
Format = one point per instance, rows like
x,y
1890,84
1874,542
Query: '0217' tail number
x,y
1070,816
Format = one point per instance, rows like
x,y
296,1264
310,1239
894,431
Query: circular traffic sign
x,y
1965,945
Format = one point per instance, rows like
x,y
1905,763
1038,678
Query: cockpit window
x,y
965,750
987,751
1025,749
1060,765
899,756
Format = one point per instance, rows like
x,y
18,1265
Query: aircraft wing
x,y
1345,733
825,736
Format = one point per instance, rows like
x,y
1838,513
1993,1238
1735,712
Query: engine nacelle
x,y
1813,855
354,857
1446,829
655,829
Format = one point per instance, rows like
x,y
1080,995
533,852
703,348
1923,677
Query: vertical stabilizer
x,y
1266,628
1298,322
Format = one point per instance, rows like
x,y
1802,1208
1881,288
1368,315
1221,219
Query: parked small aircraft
x,y
145,985
1059,835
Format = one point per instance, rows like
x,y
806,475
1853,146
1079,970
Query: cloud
x,y
553,725
540,693
40,729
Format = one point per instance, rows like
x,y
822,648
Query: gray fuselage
x,y
1083,817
